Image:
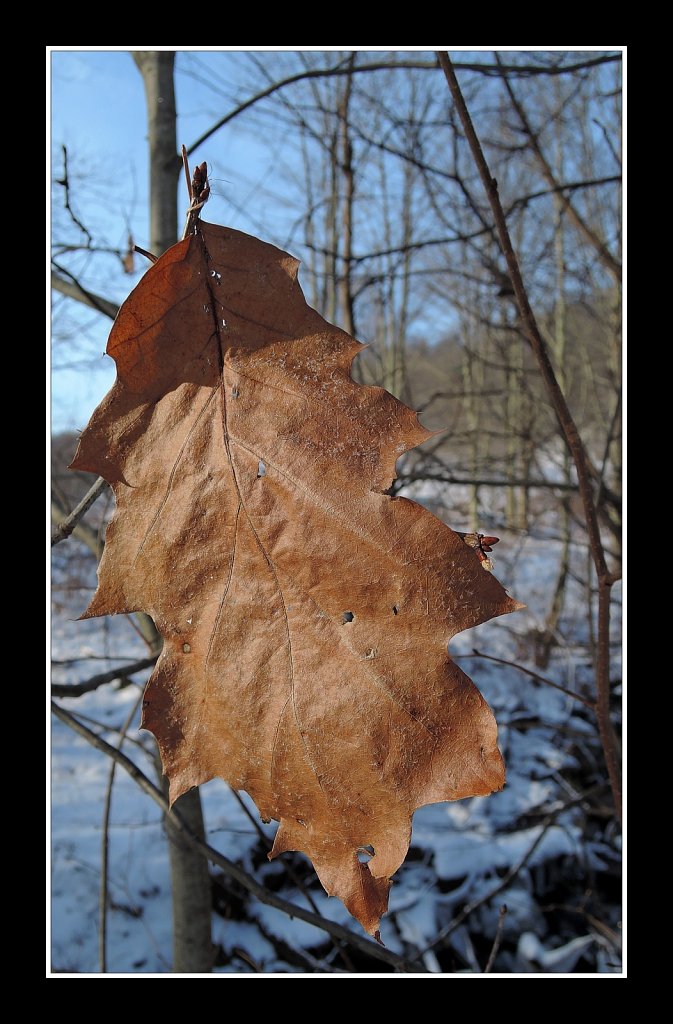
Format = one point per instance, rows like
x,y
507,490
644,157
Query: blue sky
x,y
98,111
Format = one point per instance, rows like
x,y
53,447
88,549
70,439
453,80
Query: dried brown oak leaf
x,y
305,614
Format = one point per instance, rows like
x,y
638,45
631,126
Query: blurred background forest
x,y
356,163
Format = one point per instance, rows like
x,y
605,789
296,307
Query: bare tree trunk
x,y
190,878
157,71
399,327
513,399
548,639
331,232
192,898
346,161
472,381
309,225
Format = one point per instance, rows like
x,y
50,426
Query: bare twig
x,y
460,918
583,466
448,478
230,869
497,940
609,438
140,622
185,167
123,672
64,529
108,727
601,249
105,846
430,169
82,531
148,255
65,182
199,191
423,65
608,141
450,396
605,931
90,657
456,237
71,287
534,675
339,947
267,842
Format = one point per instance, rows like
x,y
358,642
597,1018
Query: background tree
x,y
192,947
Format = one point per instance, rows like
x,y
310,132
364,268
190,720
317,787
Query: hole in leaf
x,y
365,853
395,609
261,469
235,392
347,617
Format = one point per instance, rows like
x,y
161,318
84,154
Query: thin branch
x,y
185,167
122,672
65,182
105,846
497,940
144,252
534,675
606,730
74,290
456,396
64,529
554,186
140,622
570,186
574,442
521,201
338,946
608,141
601,249
530,70
82,531
604,930
460,918
609,438
108,727
407,247
554,485
60,249
488,69
509,877
230,869
90,657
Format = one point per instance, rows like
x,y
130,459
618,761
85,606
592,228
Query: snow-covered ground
x,y
562,907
